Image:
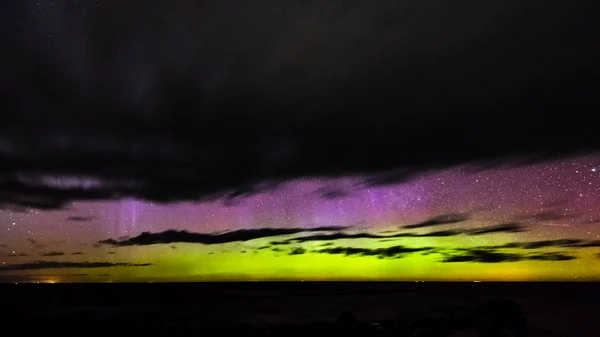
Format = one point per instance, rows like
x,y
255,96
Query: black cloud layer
x,y
561,243
448,256
37,265
174,236
33,278
15,255
502,228
388,252
183,236
492,256
53,254
188,100
35,244
439,220
79,218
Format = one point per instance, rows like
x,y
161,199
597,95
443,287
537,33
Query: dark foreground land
x,y
301,309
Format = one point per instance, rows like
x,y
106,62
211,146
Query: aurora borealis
x,y
218,140
534,222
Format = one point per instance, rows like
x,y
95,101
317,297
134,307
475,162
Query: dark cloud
x,y
543,244
79,218
594,243
551,215
560,243
485,256
38,265
21,278
53,254
114,107
77,253
503,228
110,253
174,236
298,251
332,193
344,236
35,244
551,257
71,275
335,190
441,233
439,220
173,247
43,277
331,237
3,245
17,255
492,256
388,252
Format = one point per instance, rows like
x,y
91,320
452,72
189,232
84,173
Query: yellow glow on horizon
x,y
260,260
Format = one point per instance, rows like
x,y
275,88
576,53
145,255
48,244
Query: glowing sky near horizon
x,y
553,200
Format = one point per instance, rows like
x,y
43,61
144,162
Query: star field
x,y
553,200
321,140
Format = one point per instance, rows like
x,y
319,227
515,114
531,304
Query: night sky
x,y
537,222
299,140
